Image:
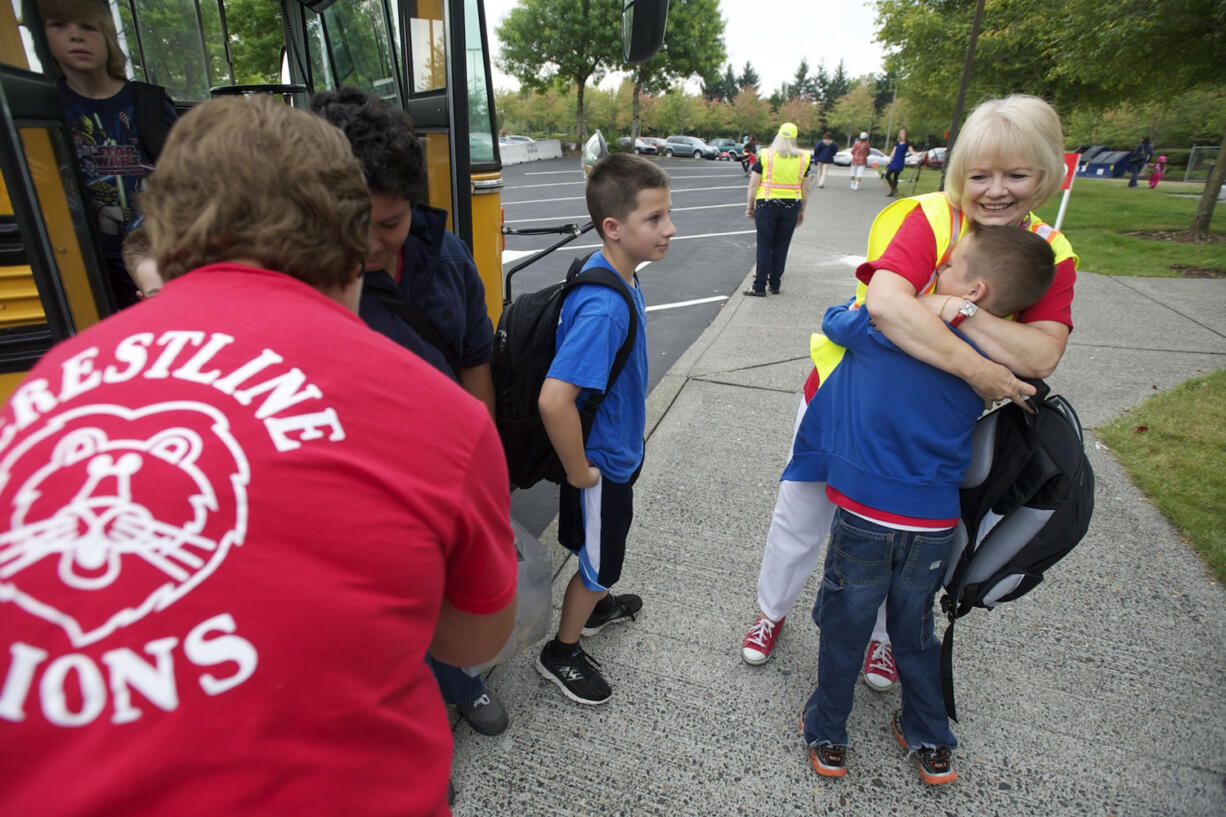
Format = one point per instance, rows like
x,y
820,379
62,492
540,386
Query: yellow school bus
x,y
429,57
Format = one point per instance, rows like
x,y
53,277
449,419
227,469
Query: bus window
x,y
362,48
22,53
316,46
171,35
428,46
480,122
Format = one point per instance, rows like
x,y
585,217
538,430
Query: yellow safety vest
x,y
946,229
782,178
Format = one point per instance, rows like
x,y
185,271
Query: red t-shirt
x,y
231,514
912,254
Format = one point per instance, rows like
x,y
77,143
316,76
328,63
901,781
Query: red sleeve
x,y
1057,303
482,569
912,253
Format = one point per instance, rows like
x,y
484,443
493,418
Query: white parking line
x,y
680,304
511,255
675,190
584,217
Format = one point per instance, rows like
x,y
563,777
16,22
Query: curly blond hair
x,y
252,178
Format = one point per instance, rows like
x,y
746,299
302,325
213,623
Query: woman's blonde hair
x,y
252,178
95,13
1019,129
785,146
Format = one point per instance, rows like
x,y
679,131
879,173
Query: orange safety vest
x,y
947,226
782,178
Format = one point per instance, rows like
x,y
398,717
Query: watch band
x,y
968,309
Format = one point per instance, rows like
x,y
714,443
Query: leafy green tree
x,y
750,113
559,42
853,113
255,40
749,77
1081,54
694,45
802,85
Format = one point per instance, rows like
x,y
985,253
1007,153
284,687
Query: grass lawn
x,y
1100,211
1174,448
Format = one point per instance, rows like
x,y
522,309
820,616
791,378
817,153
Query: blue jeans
x,y
776,222
457,686
866,563
1135,170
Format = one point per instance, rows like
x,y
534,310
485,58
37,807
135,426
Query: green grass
x,y
1174,448
1100,211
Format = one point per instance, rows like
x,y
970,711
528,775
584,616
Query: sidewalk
x,y
1099,693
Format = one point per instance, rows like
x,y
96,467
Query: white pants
x,y
800,525
857,171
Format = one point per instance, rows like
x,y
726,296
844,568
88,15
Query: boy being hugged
x,y
894,477
628,199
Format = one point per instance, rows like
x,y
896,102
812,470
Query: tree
x,y
749,77
694,45
1147,50
1080,54
750,113
853,112
802,84
557,42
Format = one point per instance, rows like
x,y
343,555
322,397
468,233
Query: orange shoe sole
x,y
930,779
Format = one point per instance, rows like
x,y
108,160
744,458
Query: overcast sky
x,y
818,30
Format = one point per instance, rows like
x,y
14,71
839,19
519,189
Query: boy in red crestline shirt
x,y
219,574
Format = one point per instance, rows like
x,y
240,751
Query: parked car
x,y
649,144
511,139
933,158
689,146
733,148
875,157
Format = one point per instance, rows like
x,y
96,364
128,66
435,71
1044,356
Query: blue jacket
x,y
885,429
824,153
440,278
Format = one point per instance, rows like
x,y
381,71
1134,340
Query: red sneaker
x,y
760,640
879,671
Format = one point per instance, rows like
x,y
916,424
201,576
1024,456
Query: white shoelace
x,y
882,659
761,631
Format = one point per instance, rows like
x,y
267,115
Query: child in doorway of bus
x,y
140,263
1155,174
118,126
896,495
628,199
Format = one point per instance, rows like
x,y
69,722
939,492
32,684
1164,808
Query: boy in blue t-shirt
x,y
104,111
628,199
891,438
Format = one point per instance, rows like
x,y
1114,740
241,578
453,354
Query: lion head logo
x,y
115,513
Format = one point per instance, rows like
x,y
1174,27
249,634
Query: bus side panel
x,y
487,239
438,172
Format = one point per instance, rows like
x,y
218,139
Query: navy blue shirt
x,y
112,158
439,277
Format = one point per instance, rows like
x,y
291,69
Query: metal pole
x,y
966,78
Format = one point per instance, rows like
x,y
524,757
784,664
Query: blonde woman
x,y
778,190
1007,162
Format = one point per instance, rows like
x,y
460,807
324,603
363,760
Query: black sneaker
x,y
935,765
576,675
612,609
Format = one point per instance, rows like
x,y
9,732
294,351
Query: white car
x,y
875,157
510,140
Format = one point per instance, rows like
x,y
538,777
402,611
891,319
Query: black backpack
x,y
1027,499
524,346
151,118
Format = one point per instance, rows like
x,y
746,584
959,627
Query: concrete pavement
x,y
1099,693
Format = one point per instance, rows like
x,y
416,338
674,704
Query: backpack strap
x,y
151,118
422,324
603,276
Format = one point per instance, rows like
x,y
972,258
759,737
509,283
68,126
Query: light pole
x,y
966,78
